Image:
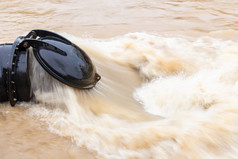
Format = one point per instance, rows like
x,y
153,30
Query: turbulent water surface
x,y
169,85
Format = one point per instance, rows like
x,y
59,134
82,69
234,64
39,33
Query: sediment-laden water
x,y
168,89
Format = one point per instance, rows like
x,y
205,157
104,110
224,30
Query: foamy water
x,y
189,89
168,90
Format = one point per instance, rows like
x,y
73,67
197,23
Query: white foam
x,y
191,84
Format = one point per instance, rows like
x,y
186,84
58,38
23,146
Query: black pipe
x,y
61,58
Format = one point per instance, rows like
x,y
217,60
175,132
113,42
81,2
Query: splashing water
x,y
159,97
168,93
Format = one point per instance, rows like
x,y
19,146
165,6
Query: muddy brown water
x,y
30,136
